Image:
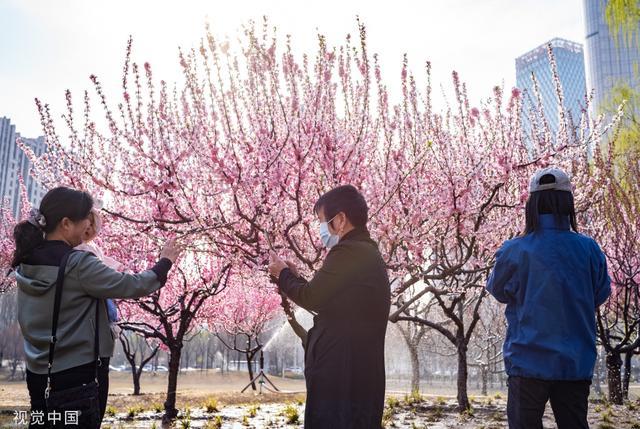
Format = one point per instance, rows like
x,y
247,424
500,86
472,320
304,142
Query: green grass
x,y
413,398
291,414
607,416
134,411
393,402
211,405
215,423
185,421
252,411
387,416
468,413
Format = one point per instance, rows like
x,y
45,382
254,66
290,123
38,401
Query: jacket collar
x,y
50,252
550,221
359,234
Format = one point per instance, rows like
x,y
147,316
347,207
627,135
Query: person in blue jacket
x,y
552,279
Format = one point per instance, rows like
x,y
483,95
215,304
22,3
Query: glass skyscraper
x,y
569,58
609,62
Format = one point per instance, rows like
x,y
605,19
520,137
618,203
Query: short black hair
x,y
557,203
345,199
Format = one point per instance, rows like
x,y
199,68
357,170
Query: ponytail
x,y
27,237
57,204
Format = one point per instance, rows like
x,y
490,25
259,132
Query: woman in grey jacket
x,y
41,243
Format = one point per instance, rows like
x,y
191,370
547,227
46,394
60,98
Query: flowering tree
x,y
134,345
234,160
444,225
242,314
6,248
286,140
142,166
412,334
7,245
485,348
614,221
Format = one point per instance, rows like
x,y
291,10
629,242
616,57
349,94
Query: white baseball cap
x,y
561,182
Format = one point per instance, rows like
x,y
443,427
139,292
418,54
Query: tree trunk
x,y
135,374
463,398
484,371
185,361
170,411
250,367
14,367
415,369
597,375
205,360
136,381
627,374
614,363
298,329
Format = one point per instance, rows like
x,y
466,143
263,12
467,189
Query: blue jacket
x,y
552,281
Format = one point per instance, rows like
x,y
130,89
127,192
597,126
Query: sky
x,y
48,46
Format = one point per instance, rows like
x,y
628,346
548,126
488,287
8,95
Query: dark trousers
x,y
528,397
72,377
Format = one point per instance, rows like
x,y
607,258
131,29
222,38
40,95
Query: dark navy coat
x,y
344,357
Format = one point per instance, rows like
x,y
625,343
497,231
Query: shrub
x,y
393,402
413,398
252,411
291,414
215,423
134,411
110,411
211,405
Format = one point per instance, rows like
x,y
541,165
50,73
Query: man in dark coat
x,y
350,294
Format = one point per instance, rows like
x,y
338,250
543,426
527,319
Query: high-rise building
x,y
610,61
569,59
15,164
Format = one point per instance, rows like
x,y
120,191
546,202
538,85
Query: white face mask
x,y
329,240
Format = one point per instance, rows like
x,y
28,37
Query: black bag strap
x,y
54,324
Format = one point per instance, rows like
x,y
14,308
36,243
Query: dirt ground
x,y
228,408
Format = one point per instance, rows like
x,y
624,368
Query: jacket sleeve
x,y
602,281
333,276
100,281
502,282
